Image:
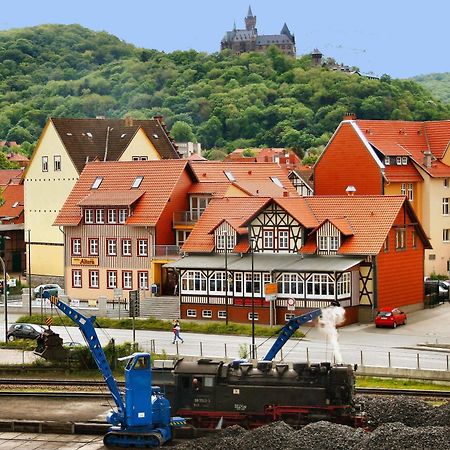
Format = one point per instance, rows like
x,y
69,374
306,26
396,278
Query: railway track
x,y
97,389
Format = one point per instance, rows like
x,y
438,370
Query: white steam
x,y
331,317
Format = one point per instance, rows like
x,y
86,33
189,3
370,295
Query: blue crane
x,y
143,418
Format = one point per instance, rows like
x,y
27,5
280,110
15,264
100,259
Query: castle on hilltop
x,y
248,40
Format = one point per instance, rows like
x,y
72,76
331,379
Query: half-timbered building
x,y
366,252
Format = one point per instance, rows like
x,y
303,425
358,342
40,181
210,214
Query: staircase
x,y
161,307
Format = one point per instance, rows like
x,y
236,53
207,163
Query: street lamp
x,y
225,233
5,289
29,273
252,240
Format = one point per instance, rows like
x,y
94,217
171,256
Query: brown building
x,y
248,40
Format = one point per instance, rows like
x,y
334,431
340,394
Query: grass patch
x,y
396,383
164,325
19,344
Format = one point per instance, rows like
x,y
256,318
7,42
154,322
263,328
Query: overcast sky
x,y
402,38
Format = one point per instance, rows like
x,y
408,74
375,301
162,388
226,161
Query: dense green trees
x,y
223,100
437,83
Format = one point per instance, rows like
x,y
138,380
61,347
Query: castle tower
x,y
316,57
250,20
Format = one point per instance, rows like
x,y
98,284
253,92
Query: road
x,y
374,346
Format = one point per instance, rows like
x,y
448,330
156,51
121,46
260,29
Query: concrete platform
x,y
32,441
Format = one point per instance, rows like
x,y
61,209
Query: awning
x,y
266,262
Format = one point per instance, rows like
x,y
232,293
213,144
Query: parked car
x,y
390,317
38,290
24,331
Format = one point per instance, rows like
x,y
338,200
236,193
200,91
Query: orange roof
x,y
111,198
17,157
13,203
234,209
10,176
370,219
244,173
405,138
159,180
341,223
402,173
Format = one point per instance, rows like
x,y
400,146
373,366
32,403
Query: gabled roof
x,y
402,173
249,175
87,139
341,223
12,207
150,198
406,138
235,223
10,176
234,209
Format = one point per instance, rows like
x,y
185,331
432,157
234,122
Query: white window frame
x,y
268,236
127,279
404,160
198,204
387,161
220,239
445,206
288,317
410,192
217,282
344,285
97,182
403,189
320,285
400,239
88,216
248,283
111,277
191,313
123,214
399,160
143,279
57,163
77,278
142,247
44,162
221,314
290,284
112,216
94,276
93,246
194,281
111,247
255,315
446,235
206,314
126,247
238,283
99,216
76,246
283,239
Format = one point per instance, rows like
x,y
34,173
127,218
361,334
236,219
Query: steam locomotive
x,y
209,392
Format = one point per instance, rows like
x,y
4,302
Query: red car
x,y
390,317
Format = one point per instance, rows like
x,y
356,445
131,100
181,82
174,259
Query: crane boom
x,y
288,330
86,325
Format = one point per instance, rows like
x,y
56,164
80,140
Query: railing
x,y
185,218
166,251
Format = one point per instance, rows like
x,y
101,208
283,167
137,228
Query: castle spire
x,y
250,20
249,13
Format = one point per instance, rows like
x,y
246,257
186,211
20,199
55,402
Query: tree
x,y
182,132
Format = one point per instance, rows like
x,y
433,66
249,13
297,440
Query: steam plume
x,y
331,317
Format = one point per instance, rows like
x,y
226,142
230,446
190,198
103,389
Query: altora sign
x,y
91,261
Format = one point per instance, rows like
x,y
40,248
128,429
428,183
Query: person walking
x,y
176,332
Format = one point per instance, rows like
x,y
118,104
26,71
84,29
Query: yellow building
x,y
63,149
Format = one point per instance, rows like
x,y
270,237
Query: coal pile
x,y
399,423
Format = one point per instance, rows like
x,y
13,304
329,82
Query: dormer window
x,y
387,161
277,181
404,160
224,238
137,182
328,243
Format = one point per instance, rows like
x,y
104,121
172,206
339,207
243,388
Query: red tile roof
x,y
405,138
160,178
250,176
10,176
13,203
111,198
402,173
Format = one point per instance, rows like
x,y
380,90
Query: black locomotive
x,y
210,392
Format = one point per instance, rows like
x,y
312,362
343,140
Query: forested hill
x,y
437,83
228,101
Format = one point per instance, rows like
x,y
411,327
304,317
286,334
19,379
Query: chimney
x,y
350,190
159,119
285,194
427,158
349,116
128,121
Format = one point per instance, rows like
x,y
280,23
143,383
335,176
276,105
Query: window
x,y
112,216
268,239
404,160
143,280
288,317
217,282
344,285
230,176
191,313
45,164
403,189
111,276
387,161
254,315
220,241
123,213
142,247
76,278
386,245
93,279
238,283
207,314
320,285
97,182
99,216
93,247
88,216
410,192
290,284
111,247
127,280
221,314
446,183
400,238
137,182
283,239
334,243
256,283
230,241
140,158
193,280
399,160
182,235
277,181
76,246
57,163
126,247
328,243
446,235
198,205
445,206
